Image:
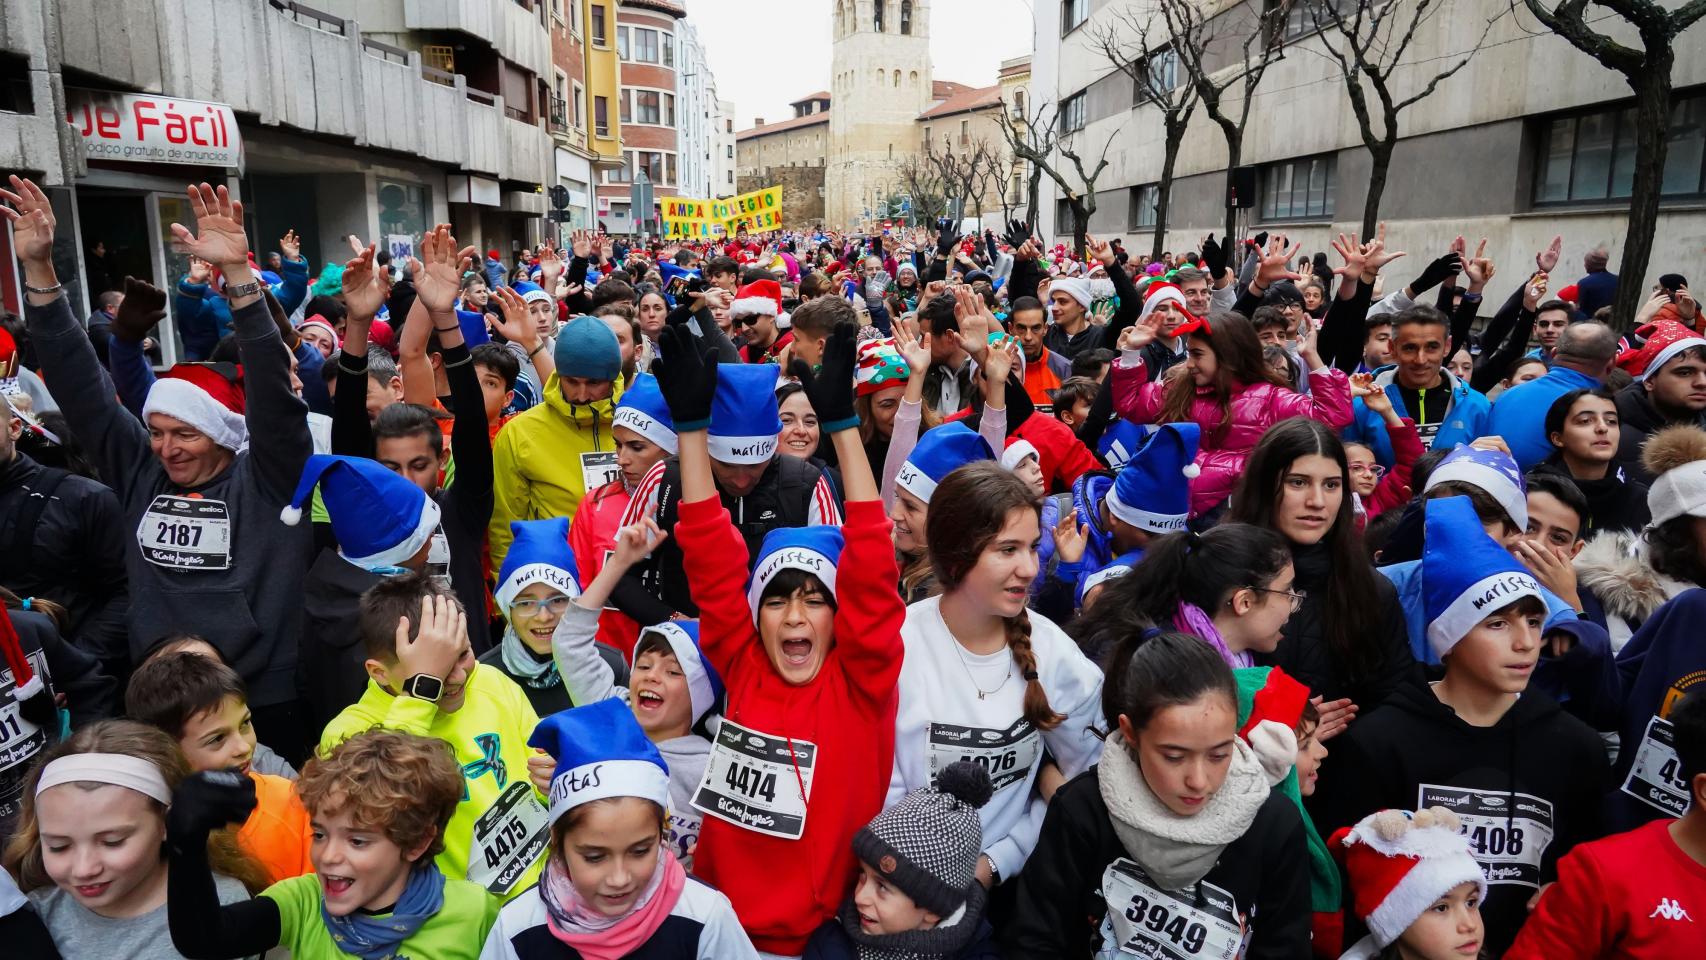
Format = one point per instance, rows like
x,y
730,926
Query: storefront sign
x,y
139,128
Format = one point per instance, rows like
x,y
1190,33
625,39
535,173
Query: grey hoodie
x,y
247,599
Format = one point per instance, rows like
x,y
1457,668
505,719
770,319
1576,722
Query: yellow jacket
x,y
497,836
543,458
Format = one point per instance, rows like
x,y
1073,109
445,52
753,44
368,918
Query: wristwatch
x,y
424,686
250,289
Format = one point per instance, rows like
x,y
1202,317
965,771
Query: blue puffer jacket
x,y
1466,417
204,318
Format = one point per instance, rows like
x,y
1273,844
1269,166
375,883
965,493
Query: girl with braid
x,y
984,679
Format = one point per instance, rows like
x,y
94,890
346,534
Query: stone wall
x,y
802,192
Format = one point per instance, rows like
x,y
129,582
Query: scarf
x,y
1192,620
598,937
378,937
1178,851
524,665
946,939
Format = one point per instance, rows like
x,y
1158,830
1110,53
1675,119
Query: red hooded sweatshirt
x,y
784,889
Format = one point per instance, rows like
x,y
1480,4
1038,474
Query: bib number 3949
x,y
758,781
186,533
1655,777
1145,921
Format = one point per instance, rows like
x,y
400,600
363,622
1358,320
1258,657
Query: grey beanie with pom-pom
x,y
927,845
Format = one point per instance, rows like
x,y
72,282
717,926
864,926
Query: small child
x,y
263,760
1381,488
380,802
1414,884
201,703
917,895
611,888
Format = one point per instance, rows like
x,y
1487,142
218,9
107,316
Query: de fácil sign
x,y
140,128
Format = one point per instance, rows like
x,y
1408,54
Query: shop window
x,y
1588,157
1299,189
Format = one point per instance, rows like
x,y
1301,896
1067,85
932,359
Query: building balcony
x,y
517,33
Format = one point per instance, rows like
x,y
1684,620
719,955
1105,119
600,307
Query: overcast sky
x,y
766,53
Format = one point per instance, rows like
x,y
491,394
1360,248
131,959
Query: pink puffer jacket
x,y
1255,408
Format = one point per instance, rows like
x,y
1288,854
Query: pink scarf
x,y
596,937
1192,620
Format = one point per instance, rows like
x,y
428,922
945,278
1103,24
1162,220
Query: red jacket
x,y
784,889
591,538
1394,487
1061,455
1632,896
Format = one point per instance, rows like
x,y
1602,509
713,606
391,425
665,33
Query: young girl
x,y
984,679
938,453
1346,640
1230,587
611,888
1227,390
810,648
90,848
1414,885
670,690
1582,427
536,585
1378,488
884,391
1174,844
379,802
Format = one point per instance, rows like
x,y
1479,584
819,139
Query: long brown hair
x,y
967,512
1238,362
22,856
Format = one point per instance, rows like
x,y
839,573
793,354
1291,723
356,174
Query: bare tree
x,y
1647,70
983,169
1145,49
1367,41
920,179
1062,157
1202,31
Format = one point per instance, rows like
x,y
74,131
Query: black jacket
x,y
71,552
1638,419
1616,502
29,728
1538,769
331,667
1060,907
1304,651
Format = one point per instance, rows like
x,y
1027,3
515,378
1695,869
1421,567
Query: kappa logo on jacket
x,y
1669,909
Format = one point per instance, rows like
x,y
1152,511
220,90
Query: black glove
x,y
206,801
947,234
144,306
1436,273
687,377
1213,258
1018,231
831,389
1260,240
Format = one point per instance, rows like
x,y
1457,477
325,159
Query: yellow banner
x,y
691,229
692,217
758,210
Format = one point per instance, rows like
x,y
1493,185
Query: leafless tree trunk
x,y
1059,156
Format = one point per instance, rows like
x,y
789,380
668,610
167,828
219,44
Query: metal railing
x,y
318,19
438,76
385,51
481,96
559,113
517,113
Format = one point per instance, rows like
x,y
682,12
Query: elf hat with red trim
x,y
1400,863
207,396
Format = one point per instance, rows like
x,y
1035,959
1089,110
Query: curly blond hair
x,y
404,786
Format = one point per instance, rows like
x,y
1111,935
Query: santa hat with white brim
x,y
207,396
1399,864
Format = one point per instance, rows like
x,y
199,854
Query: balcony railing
x,y
318,19
385,51
559,115
481,96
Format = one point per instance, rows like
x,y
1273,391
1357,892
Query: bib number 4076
x,y
1183,931
751,783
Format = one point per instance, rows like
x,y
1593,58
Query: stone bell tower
x,y
880,82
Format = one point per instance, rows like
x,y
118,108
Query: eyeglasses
x,y
528,608
1374,470
1297,597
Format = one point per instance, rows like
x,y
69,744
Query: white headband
x,y
117,769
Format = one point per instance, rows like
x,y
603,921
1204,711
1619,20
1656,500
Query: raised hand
x,y
1142,333
1070,538
513,321
437,645
1479,267
207,801
438,272
687,377
1534,294
1373,397
1274,265
365,288
1375,255
1001,359
914,349
290,245
200,270
1336,716
1213,258
32,221
974,321
144,306
1547,259
1017,233
636,541
1100,249
1352,253
218,236
1435,273
551,266
581,244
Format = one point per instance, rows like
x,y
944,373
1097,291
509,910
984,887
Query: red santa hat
x,y
760,298
1399,864
1663,340
26,683
207,396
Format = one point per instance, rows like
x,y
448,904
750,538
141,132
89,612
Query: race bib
x,y
438,558
1656,776
1427,432
186,533
20,741
1145,921
1007,754
599,468
508,837
758,781
1508,843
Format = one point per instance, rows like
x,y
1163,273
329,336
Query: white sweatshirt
x,y
941,720
701,926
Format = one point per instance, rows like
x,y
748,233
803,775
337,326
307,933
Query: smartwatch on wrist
x,y
424,686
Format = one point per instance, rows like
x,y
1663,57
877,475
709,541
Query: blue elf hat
x,y
1466,575
531,291
601,752
1112,570
1493,471
940,452
816,550
681,638
380,519
642,410
540,554
745,418
1152,491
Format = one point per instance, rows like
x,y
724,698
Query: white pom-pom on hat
x,y
291,516
1191,470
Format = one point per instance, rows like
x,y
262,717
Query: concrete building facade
x,y
1531,139
723,150
650,105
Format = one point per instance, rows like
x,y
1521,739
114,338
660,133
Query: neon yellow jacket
x,y
498,834
539,462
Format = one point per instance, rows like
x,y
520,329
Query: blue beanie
x,y
744,417
815,550
601,753
940,452
1466,575
539,554
379,518
586,348
1152,491
643,410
